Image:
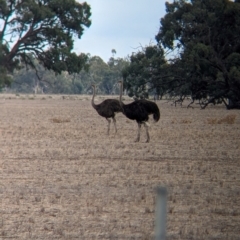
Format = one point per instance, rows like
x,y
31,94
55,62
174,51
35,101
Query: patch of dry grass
x,y
59,120
186,121
181,121
229,119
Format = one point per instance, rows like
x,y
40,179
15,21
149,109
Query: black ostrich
x,y
139,110
107,109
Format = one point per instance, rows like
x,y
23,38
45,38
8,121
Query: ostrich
x,y
107,109
139,110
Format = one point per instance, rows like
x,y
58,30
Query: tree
x,y
145,72
207,35
26,81
113,74
42,29
104,75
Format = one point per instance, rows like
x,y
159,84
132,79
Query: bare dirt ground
x,y
61,177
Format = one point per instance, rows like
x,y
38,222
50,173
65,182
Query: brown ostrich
x,y
107,109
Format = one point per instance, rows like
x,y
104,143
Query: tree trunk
x,y
233,104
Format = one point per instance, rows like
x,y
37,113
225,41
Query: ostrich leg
x,y
146,127
109,122
138,134
114,122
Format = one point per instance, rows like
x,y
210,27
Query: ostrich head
x,y
93,95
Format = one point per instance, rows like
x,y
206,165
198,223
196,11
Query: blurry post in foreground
x,y
161,214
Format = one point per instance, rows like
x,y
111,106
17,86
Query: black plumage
x,y
107,109
140,110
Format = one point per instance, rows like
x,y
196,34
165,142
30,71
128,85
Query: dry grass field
x,y
61,177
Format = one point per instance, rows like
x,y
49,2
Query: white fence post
x,y
161,214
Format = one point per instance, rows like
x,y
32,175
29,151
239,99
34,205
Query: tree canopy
x,y
204,37
42,30
144,73
207,34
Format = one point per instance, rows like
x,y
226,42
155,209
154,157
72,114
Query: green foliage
x,y
40,80
105,75
143,75
44,81
5,79
44,30
207,33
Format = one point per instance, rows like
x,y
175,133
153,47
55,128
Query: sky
x,y
123,25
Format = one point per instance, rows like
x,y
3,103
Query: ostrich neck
x,y
93,104
120,97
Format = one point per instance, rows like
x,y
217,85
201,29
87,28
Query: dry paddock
x,y
61,177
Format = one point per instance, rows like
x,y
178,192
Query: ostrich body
x,y
107,109
140,110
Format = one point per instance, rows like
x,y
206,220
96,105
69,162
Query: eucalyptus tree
x,y
146,73
47,82
42,29
207,36
113,74
94,75
104,74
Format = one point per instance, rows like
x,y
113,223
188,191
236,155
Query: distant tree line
x,y
104,75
